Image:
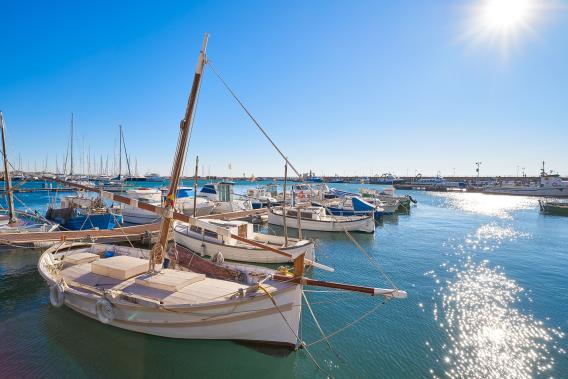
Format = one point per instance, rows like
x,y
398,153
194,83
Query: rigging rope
x,y
252,117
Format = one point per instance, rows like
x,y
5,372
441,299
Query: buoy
x,y
105,311
57,295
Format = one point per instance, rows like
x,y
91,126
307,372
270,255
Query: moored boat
x,y
553,207
80,213
316,218
210,243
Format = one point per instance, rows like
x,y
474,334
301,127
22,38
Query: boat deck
x,y
203,291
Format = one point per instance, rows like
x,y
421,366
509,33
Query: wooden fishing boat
x,y
211,243
316,218
111,284
140,290
553,207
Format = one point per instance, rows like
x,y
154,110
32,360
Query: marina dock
x,y
139,233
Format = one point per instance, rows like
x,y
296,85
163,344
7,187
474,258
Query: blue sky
x,y
343,87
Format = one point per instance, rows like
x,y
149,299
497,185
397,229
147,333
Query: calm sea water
x,y
487,283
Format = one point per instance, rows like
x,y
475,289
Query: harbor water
x,y
487,283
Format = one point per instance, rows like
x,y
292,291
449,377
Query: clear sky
x,y
346,87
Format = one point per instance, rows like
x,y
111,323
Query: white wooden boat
x,y
133,214
315,218
185,201
179,304
135,290
209,243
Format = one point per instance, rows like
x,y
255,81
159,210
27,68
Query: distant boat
x,y
440,182
265,196
549,186
387,178
82,213
208,243
345,207
222,195
154,178
553,208
316,218
387,196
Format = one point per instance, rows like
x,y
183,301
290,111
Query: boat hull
x,y
210,247
528,191
138,216
258,317
365,225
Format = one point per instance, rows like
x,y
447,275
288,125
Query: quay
x,y
140,233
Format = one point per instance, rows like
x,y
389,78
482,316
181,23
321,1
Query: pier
x,y
138,233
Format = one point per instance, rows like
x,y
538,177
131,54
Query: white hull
x,y
353,224
172,314
529,191
231,206
186,208
209,246
257,321
138,216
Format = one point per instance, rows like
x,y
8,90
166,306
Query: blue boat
x,y
80,213
360,205
92,221
346,209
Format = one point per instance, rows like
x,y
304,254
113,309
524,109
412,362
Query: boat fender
x,y
57,295
105,311
218,258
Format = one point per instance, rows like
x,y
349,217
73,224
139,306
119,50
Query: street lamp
x,y
477,170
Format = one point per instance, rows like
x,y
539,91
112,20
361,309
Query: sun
x,y
506,14
504,25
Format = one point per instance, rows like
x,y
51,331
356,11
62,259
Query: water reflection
x,y
491,235
488,337
488,205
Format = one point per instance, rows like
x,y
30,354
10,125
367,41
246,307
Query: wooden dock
x,y
138,233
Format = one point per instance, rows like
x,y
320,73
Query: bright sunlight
x,y
505,23
507,14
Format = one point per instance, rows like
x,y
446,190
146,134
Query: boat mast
x,y
157,253
71,171
120,154
195,187
7,180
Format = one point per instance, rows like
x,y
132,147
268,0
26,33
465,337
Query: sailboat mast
x,y
120,154
7,180
71,171
159,250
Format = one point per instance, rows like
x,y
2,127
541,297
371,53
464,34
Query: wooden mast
x,y
157,254
7,180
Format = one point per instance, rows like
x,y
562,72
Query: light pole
x,y
477,170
